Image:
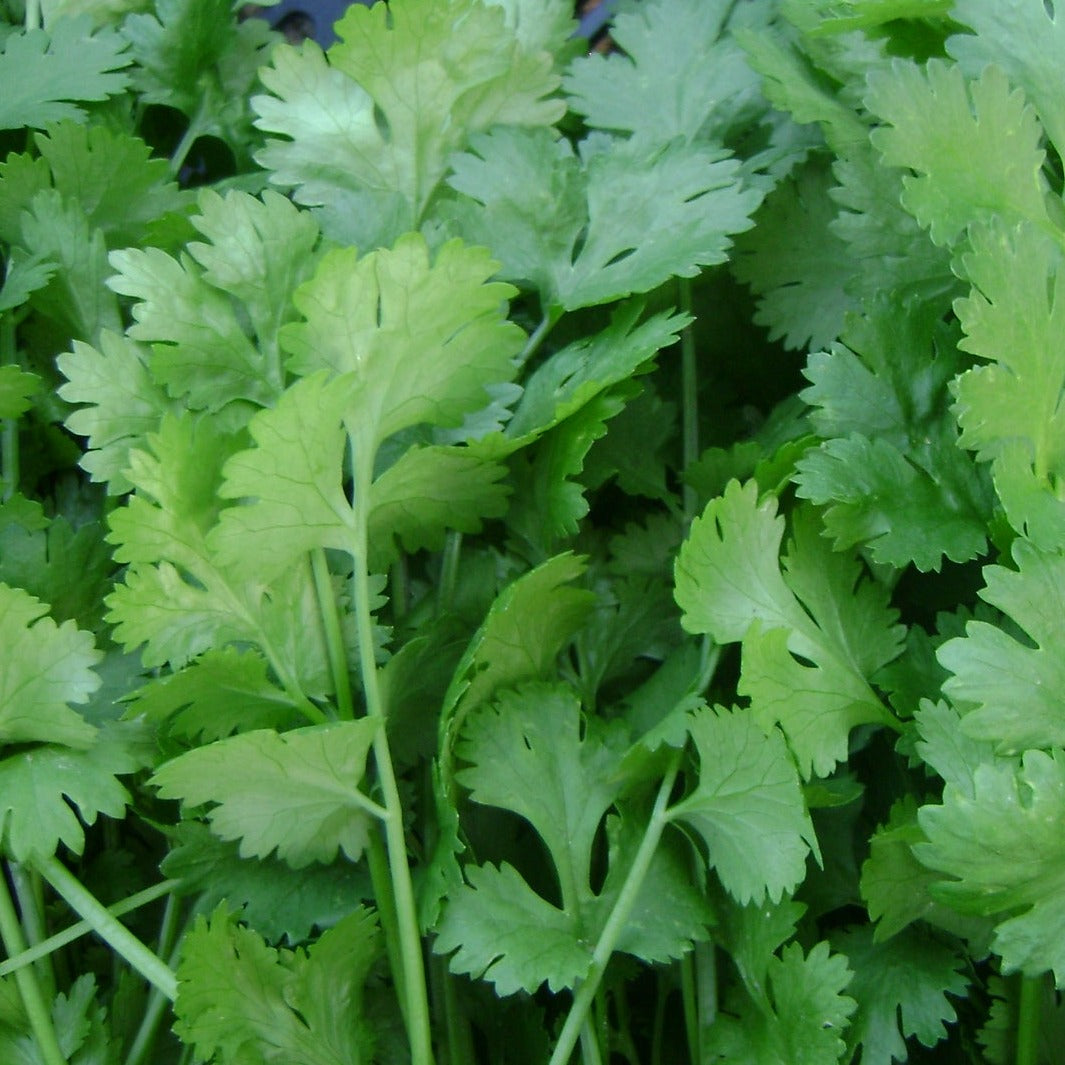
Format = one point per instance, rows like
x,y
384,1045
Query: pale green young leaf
x,y
123,403
16,389
747,806
40,789
500,930
223,691
936,124
799,269
901,987
1025,40
275,899
1013,318
44,73
422,338
201,351
293,479
1010,691
56,229
805,1021
428,491
294,792
539,25
259,250
1004,855
679,73
44,668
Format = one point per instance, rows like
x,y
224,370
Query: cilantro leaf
x,y
123,403
422,339
681,74
16,388
42,788
296,792
747,806
275,899
803,1026
1010,691
936,124
45,72
45,667
817,609
901,987
246,1001
221,692
1000,847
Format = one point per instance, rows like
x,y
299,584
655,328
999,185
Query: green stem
x,y
105,925
604,948
33,14
1029,1018
81,928
537,336
449,572
148,1029
377,860
690,1002
30,897
689,397
590,1053
9,442
334,638
26,981
459,1038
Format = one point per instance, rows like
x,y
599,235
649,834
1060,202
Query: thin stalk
x,y
191,135
377,860
459,1038
30,897
9,443
26,981
1029,1018
148,1029
105,925
658,1028
33,14
449,572
334,638
690,1002
537,336
590,1054
704,967
61,939
689,372
585,994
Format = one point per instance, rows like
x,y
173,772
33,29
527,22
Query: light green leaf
x,y
123,403
43,73
293,477
296,792
936,124
1014,690
422,339
24,275
43,668
1001,847
16,388
747,805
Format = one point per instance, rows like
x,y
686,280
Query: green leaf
x,y
796,265
1010,691
277,900
221,692
81,1029
1001,848
428,491
817,610
936,124
40,787
123,404
16,388
1024,40
44,667
296,792
901,988
502,931
679,73
649,213
23,276
747,805
45,72
422,339
293,477
804,1024
247,1002
376,154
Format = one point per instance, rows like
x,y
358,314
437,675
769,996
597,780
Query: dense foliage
x,y
516,555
